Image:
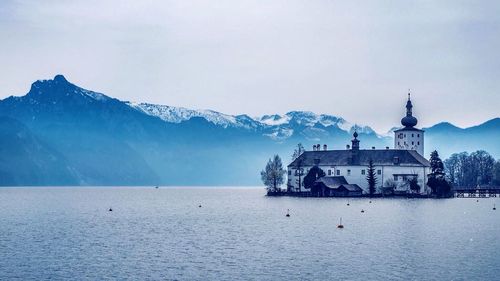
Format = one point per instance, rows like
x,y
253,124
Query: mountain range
x,y
61,134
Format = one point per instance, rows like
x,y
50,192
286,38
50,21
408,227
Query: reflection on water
x,y
69,233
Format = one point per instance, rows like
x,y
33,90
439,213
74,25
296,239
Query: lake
x,y
238,233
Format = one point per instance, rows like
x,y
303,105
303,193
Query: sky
x,y
354,59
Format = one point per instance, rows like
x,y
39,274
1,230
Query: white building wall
x,y
354,175
409,140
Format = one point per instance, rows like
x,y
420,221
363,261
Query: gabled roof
x,y
361,157
352,187
337,182
334,180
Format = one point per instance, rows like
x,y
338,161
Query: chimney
x,y
373,147
314,147
324,147
386,147
347,147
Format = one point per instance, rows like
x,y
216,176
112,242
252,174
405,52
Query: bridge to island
x,y
476,192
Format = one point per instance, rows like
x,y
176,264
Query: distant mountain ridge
x,y
275,126
74,136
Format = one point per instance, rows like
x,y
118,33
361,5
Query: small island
x,y
355,172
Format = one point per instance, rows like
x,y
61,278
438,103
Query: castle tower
x,y
409,137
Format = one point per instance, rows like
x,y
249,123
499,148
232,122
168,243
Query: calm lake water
x,y
238,233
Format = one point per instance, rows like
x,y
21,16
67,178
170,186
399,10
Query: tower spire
x,y
409,120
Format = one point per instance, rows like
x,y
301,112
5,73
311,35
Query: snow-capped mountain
x,y
174,114
277,127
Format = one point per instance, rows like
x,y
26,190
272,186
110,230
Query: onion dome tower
x,y
409,137
355,141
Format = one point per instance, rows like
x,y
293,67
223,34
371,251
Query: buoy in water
x,y
156,187
362,211
370,201
340,225
199,206
110,210
287,213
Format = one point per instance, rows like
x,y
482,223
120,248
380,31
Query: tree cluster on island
x,y
470,170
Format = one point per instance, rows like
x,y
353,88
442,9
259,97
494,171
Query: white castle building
x,y
348,168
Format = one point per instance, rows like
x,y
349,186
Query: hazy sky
x,y
354,59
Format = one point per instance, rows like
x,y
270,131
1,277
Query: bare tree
x,y
273,175
298,151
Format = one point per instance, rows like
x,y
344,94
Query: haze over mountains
x,y
61,134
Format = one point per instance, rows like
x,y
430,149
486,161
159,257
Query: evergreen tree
x,y
437,181
437,166
273,175
371,178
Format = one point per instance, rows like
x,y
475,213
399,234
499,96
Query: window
x,y
418,135
395,178
399,143
363,171
329,172
412,143
412,135
418,142
396,160
379,172
348,172
338,172
405,178
289,172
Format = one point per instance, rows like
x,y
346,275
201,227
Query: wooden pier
x,y
476,192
